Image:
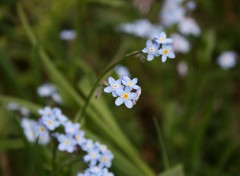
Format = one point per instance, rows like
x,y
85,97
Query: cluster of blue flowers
x,y
160,45
48,90
125,89
98,157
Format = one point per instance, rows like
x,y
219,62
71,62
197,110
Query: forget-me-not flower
x,y
92,157
66,143
126,97
79,137
132,84
106,159
162,38
50,122
151,49
166,51
113,86
71,128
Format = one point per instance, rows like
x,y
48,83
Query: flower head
x,y
126,97
66,143
113,86
151,49
162,38
132,84
166,51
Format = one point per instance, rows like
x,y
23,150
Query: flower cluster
x,y
160,45
73,138
48,90
125,89
23,111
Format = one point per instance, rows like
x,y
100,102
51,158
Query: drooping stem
x,y
80,116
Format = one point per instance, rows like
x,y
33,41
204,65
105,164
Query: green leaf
x,y
175,171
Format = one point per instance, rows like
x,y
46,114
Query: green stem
x,y
162,146
54,156
82,112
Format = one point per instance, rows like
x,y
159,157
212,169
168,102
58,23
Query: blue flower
x,y
92,157
50,122
66,143
166,51
130,83
106,172
47,111
227,59
162,38
89,145
71,128
126,97
79,137
106,159
42,133
114,85
28,128
151,49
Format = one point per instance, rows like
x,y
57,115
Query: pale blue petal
x,y
114,94
126,78
119,101
136,87
171,55
133,96
119,92
128,89
160,51
111,80
129,104
108,89
164,58
145,50
156,53
150,57
156,46
124,82
163,35
134,81
149,43
118,82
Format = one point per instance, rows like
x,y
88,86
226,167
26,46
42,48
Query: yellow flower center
x,y
105,159
125,96
130,83
50,122
162,39
78,138
67,142
165,51
42,129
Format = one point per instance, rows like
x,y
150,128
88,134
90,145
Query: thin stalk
x,y
82,112
162,146
54,156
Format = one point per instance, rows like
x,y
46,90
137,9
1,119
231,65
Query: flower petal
x,y
164,58
145,50
108,89
134,81
119,101
129,104
171,55
150,57
133,96
149,43
111,80
136,87
119,92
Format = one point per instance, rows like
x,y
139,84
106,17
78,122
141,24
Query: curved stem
x,y
82,112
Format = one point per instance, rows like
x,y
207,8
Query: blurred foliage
x,y
198,113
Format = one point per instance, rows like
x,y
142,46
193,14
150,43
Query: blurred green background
x,y
198,113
